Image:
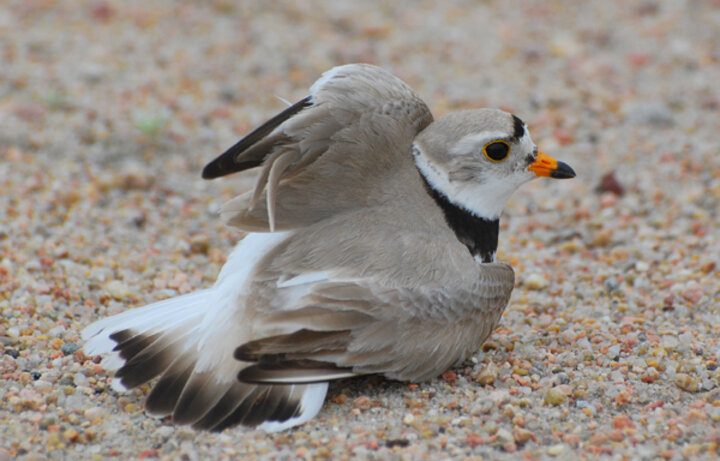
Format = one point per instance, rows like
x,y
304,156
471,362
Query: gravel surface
x,y
609,348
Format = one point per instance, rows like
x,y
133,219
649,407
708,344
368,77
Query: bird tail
x,y
182,342
153,325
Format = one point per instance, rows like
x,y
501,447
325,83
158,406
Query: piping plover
x,y
371,249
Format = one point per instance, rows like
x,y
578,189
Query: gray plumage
x,y
355,263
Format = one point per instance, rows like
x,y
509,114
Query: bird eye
x,y
497,151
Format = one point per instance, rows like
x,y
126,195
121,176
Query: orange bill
x,y
544,165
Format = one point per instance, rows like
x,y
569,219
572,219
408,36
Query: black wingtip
x,y
210,171
225,165
229,162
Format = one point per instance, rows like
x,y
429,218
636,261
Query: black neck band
x,y
479,235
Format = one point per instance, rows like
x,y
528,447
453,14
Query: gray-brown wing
x,y
341,328
358,118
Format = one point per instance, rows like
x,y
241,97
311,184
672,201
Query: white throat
x,y
485,200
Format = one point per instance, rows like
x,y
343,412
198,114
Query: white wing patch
x,y
246,255
222,324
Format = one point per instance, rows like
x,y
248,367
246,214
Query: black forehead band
x,y
518,128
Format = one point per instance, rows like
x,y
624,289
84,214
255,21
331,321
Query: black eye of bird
x,y
497,151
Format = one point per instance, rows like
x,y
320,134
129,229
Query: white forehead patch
x,y
475,142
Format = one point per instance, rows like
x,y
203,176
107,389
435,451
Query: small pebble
x,y
14,353
94,413
66,381
686,382
31,399
611,284
642,266
487,375
185,434
610,183
118,290
536,282
165,431
363,402
71,435
200,244
47,422
692,292
555,397
69,348
522,435
504,435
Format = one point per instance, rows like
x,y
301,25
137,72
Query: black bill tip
x,y
563,171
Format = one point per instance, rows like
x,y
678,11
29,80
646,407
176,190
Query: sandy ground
x,y
109,109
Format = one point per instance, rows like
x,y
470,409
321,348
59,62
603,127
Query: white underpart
x,y
310,404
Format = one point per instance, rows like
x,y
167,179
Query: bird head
x,y
478,158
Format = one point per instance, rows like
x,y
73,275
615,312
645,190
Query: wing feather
x,y
357,118
353,327
242,156
276,171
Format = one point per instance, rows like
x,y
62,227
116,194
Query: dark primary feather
x,y
232,162
157,357
199,399
264,403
